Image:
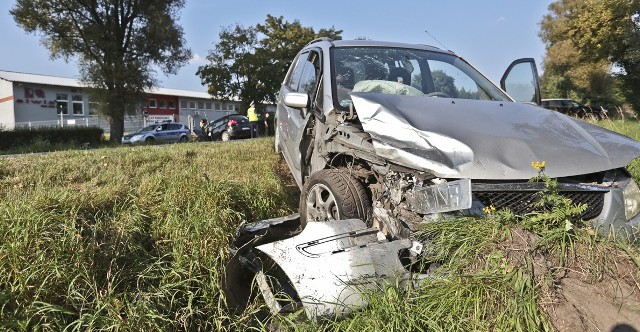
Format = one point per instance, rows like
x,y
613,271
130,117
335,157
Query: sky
x,y
489,34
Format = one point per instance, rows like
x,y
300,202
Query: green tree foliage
x,y
444,83
119,44
250,63
585,39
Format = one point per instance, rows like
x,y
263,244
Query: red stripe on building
x,y
2,100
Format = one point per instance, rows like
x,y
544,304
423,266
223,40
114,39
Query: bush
x,y
72,135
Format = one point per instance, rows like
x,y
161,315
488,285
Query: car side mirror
x,y
296,100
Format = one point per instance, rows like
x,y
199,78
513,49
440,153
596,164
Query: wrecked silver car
x,y
395,135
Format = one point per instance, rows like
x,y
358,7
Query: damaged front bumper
x,y
327,269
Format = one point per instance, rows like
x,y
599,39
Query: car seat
x,y
400,75
348,79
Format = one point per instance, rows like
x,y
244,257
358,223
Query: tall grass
x,y
130,238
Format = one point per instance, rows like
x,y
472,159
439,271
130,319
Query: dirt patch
x,y
598,289
608,305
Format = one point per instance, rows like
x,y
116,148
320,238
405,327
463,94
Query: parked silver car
x,y
391,136
159,132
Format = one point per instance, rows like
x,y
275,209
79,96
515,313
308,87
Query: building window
x,y
172,104
93,108
200,105
231,107
183,104
192,104
162,103
62,103
152,103
217,106
78,105
207,105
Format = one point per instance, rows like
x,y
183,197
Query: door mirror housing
x,y
296,100
521,81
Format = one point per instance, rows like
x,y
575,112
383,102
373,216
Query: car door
x,y
217,127
295,118
174,132
521,81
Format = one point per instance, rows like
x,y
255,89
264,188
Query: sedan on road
x,y
159,132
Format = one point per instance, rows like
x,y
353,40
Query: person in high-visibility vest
x,y
253,120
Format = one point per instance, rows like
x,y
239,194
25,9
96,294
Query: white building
x,y
30,100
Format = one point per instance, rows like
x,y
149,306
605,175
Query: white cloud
x,y
501,19
197,60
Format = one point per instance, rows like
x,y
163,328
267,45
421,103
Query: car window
x,y
175,126
218,123
296,74
406,71
311,65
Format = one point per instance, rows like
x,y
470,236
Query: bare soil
x,y
598,289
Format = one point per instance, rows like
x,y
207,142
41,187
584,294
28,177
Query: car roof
x,y
236,116
374,43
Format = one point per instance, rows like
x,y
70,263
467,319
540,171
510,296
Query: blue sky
x,y
489,34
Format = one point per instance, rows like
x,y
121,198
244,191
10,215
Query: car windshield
x,y
407,72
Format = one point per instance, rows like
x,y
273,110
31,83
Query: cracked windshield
x,y
407,72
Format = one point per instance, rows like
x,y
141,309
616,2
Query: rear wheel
x,y
225,136
183,139
333,194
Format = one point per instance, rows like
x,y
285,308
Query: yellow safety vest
x,y
251,114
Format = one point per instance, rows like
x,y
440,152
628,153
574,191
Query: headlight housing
x,y
631,194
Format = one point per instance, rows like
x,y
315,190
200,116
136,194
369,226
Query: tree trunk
x,y
116,116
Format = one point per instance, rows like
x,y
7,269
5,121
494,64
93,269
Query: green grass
x,y
131,237
136,238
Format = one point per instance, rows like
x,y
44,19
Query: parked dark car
x,y
229,127
573,108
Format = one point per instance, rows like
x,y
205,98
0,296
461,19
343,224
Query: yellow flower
x,y
539,165
489,209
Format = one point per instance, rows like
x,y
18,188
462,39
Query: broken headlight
x,y
631,199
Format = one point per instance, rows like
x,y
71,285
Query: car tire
x,y
334,194
183,139
149,139
225,137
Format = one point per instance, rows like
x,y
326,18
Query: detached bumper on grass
x,y
326,269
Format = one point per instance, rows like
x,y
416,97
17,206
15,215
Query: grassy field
x,y
135,238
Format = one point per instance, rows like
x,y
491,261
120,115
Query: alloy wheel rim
x,y
321,204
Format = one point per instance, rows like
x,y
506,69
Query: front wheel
x,y
225,136
334,194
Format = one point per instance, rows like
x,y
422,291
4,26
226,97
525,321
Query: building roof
x,y
73,82
40,79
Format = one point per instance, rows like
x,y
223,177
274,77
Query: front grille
x,y
520,198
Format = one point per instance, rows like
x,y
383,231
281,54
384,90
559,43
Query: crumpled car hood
x,y
459,138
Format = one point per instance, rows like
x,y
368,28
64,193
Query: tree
x,y
568,72
250,63
118,44
585,39
610,30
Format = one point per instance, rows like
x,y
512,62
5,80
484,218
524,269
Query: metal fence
x,y
130,123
